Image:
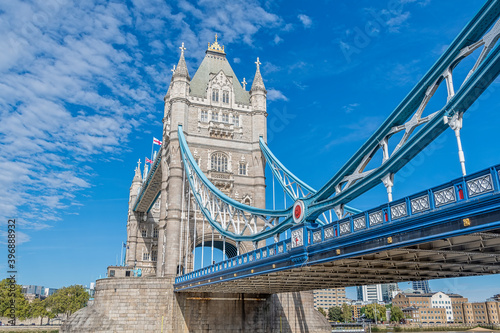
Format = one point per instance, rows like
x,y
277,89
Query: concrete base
x,y
150,305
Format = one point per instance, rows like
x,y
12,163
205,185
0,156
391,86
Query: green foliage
x,y
397,314
322,311
38,308
335,313
68,300
346,313
9,293
369,312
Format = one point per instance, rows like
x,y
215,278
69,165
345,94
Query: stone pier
x,y
150,305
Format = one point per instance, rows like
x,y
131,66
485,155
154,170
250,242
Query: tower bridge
x,y
206,187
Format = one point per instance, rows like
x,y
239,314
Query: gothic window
x,y
155,232
204,116
215,95
215,116
144,232
154,255
225,97
236,120
225,118
145,256
219,162
242,170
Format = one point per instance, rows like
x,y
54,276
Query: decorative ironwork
x,y
272,251
480,185
420,204
376,218
359,223
317,236
280,248
239,261
297,237
288,246
345,228
445,196
245,259
258,255
264,253
328,232
398,211
250,257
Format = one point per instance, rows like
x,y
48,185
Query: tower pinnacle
x,y
181,69
258,83
215,47
137,176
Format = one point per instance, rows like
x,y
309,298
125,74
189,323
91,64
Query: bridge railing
x,y
476,185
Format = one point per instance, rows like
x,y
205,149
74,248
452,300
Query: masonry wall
x,y
149,305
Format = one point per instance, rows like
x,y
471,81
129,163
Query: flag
x,y
149,161
156,141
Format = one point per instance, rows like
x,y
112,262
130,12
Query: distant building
x,y
49,291
326,298
377,292
32,291
422,286
371,293
356,308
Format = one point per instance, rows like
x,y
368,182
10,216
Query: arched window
x,y
225,97
219,162
215,95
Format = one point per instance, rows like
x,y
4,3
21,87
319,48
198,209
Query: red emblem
x,y
297,211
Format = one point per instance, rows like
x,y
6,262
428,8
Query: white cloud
x,y
275,95
306,20
350,107
277,39
356,131
236,60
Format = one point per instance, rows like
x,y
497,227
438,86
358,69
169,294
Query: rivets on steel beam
x,y
389,240
274,266
466,222
338,251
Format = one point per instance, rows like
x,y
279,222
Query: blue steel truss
x,y
478,193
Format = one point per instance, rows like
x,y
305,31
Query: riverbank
x,y
31,329
444,328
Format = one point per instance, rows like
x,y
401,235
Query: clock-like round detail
x,y
298,211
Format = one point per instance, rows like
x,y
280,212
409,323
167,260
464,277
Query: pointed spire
x,y
137,176
258,83
181,69
244,83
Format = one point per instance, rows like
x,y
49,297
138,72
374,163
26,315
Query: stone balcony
x,y
223,180
220,130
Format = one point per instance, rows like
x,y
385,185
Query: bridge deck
x,y
461,238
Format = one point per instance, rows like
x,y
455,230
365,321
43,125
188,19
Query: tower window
x,y
219,162
225,97
242,169
145,256
215,116
155,232
204,116
144,232
225,118
236,120
215,95
154,255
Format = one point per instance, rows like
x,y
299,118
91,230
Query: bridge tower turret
x,y
132,221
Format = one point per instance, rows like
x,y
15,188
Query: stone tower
x,y
222,123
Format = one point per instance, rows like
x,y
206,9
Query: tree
x,y
322,311
368,311
335,313
346,313
38,308
397,314
12,292
68,300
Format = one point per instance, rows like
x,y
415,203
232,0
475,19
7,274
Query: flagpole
x,y
152,148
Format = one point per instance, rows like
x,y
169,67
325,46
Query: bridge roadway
x,y
452,230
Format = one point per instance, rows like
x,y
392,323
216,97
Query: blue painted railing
x,y
460,190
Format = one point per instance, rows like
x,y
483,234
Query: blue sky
x,y
82,89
